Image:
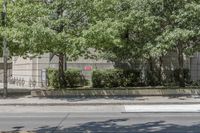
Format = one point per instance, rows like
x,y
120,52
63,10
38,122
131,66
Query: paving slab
x,y
35,101
194,108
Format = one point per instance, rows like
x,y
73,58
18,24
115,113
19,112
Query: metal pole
x,y
5,51
197,66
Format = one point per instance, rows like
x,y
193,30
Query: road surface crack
x,y
60,123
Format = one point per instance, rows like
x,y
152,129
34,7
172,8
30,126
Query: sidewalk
x,y
154,100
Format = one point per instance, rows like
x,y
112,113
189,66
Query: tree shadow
x,y
120,126
121,98
183,97
15,93
78,99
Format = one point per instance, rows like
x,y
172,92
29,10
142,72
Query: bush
x,y
131,78
106,78
115,78
97,78
73,78
186,75
152,78
53,78
195,83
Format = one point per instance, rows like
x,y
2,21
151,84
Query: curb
x,y
95,104
95,92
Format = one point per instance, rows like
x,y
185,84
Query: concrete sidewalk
x,y
34,101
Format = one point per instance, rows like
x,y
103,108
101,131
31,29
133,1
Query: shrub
x,y
131,78
53,78
97,78
106,78
186,75
73,78
195,83
115,78
152,78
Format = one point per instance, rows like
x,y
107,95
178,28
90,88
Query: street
x,y
91,122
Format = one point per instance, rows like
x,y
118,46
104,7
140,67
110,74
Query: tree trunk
x,y
61,71
181,63
161,71
65,62
151,75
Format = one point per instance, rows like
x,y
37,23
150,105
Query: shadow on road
x,y
117,126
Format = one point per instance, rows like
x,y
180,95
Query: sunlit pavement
x,y
99,122
130,118
96,119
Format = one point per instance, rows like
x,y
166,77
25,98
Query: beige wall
x,y
30,70
195,67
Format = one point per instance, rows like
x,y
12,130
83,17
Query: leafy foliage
x,y
73,78
125,30
37,27
115,78
146,30
52,76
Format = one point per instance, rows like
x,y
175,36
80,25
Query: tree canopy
x,y
36,27
146,29
126,30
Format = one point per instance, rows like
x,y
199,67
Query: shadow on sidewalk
x,y
78,99
122,98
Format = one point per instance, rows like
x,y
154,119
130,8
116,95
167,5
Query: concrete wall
x,y
195,67
81,63
2,67
23,69
30,70
171,61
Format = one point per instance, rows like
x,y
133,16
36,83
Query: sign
x,y
87,72
88,68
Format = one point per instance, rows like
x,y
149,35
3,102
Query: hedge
x,y
73,78
186,75
132,78
115,78
52,76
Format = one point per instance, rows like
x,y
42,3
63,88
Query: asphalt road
x,y
100,122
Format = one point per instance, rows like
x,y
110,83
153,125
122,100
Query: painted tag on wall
x,y
88,68
87,72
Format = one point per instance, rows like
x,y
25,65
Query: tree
x,y
180,29
67,20
127,31
146,29
22,17
37,27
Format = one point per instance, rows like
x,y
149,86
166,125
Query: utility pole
x,y
5,50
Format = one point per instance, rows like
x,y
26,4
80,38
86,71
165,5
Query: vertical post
x,y
198,66
5,83
5,51
65,62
